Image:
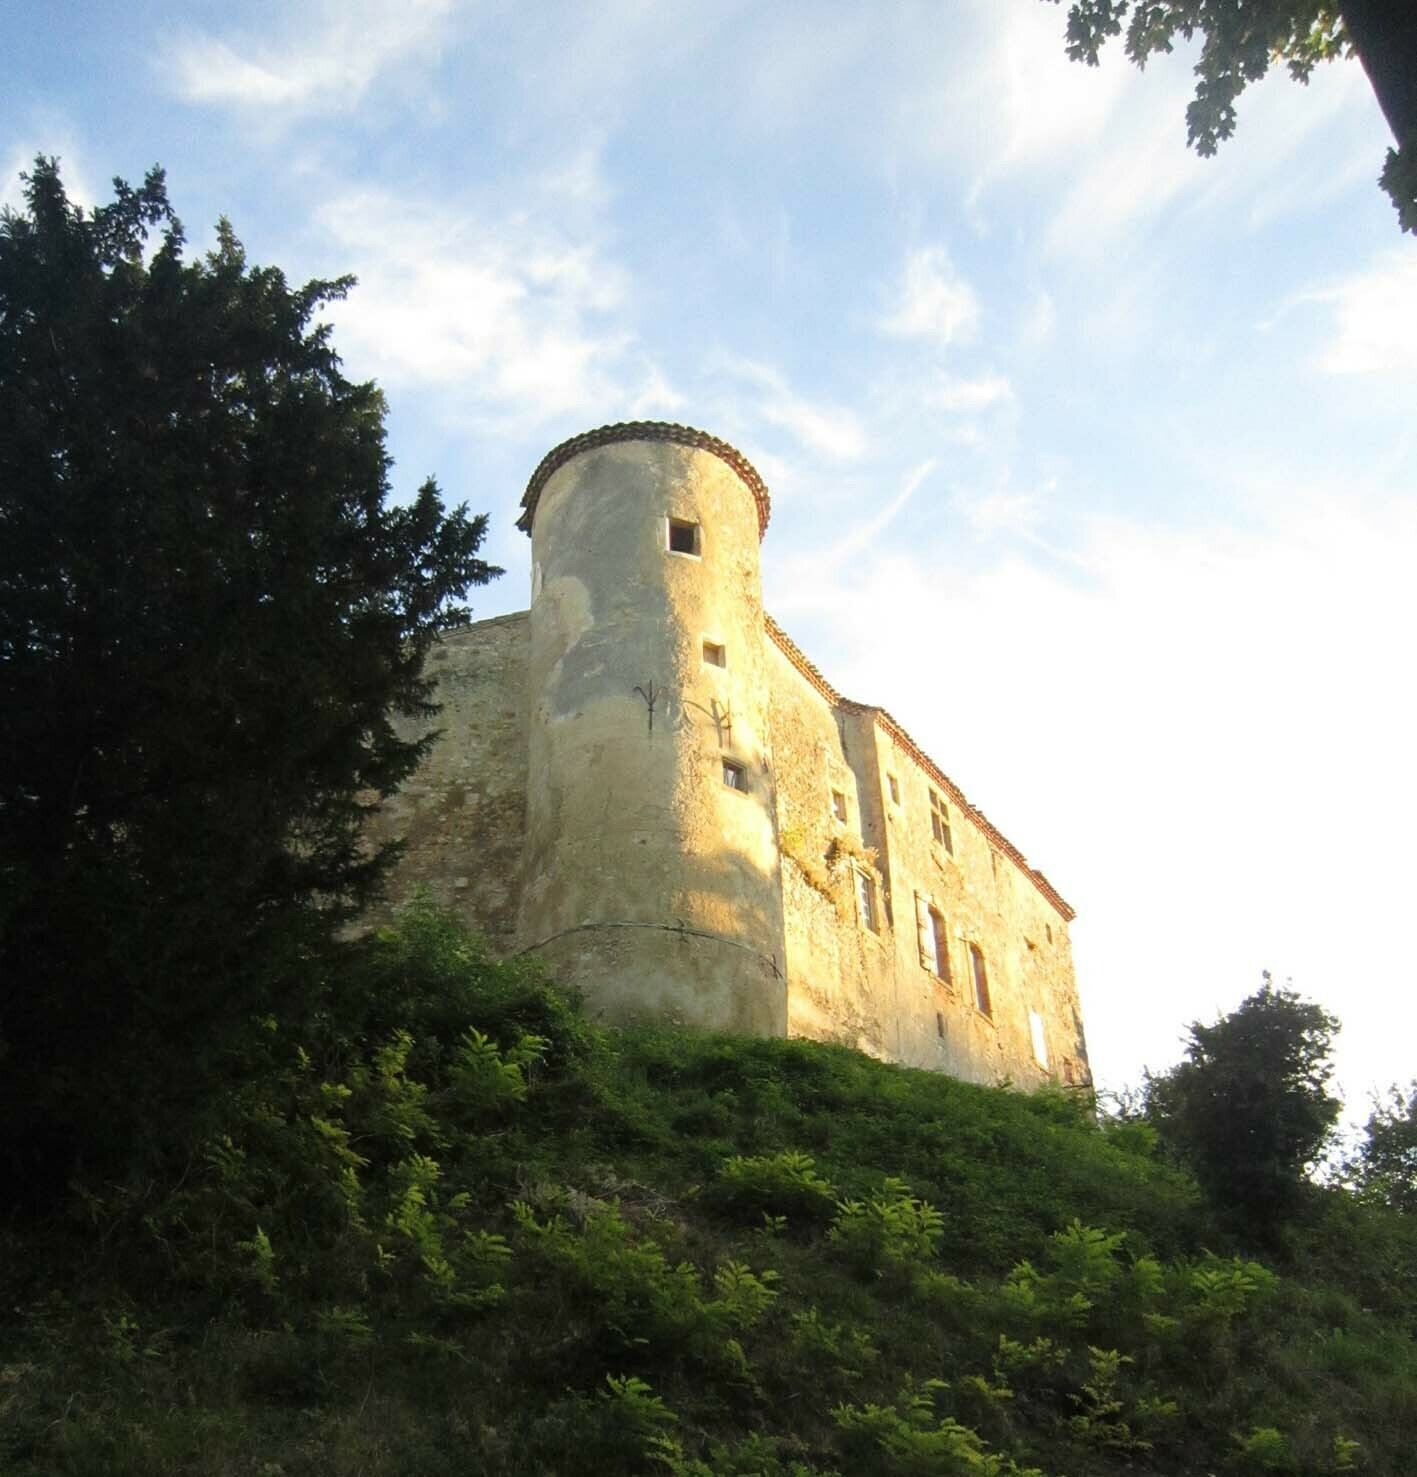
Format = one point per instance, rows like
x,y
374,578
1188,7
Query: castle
x,y
643,780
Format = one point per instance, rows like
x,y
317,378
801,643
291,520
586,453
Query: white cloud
x,y
933,301
830,431
324,65
994,513
58,142
969,396
504,317
1374,319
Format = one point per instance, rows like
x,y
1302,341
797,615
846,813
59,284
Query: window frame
x,y
940,828
868,907
695,531
979,972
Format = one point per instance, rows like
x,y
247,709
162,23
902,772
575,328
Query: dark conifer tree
x,y
210,617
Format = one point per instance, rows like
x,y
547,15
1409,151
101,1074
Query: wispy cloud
x,y
860,538
829,431
932,301
323,62
969,396
1003,512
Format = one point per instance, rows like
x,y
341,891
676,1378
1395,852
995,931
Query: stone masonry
x,y
644,781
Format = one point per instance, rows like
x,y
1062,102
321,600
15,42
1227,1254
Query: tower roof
x,y
558,456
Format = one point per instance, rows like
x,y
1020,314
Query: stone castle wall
x,y
644,781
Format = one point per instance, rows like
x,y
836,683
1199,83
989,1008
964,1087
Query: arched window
x,y
981,979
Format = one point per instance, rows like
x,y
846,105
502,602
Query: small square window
x,y
734,775
683,536
894,785
866,909
715,655
839,805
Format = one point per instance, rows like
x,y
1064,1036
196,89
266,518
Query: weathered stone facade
x,y
643,780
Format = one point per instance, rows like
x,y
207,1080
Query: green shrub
x,y
750,1188
889,1232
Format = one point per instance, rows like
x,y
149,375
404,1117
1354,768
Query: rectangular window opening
x,y
734,775
933,939
866,908
940,1024
894,785
839,805
683,536
715,655
1040,1039
940,823
981,980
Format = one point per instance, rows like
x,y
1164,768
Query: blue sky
x,y
1093,461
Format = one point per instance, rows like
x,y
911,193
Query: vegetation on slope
x,y
440,1223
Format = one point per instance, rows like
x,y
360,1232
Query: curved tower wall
x,y
649,882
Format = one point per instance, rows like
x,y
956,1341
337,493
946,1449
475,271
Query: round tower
x,y
651,873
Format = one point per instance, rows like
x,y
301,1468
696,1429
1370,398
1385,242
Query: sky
x,y
1093,461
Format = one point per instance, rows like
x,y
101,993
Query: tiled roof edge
x,y
558,456
795,655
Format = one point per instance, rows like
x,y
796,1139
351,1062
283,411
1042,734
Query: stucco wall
x,y
631,828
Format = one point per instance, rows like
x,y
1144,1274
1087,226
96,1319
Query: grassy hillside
x,y
440,1224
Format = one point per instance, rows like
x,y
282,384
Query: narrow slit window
x,y
839,805
940,1024
866,901
715,655
734,775
981,979
683,536
894,785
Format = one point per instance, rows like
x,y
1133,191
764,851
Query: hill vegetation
x,y
439,1222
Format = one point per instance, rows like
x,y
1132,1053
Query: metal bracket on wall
x,y
650,698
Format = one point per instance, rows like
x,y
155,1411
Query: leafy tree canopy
x,y
1386,1165
1249,1108
210,617
1241,38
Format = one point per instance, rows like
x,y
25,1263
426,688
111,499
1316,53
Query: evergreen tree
x,y
210,617
1249,1108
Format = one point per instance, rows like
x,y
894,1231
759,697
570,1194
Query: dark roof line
x,y
558,456
795,655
